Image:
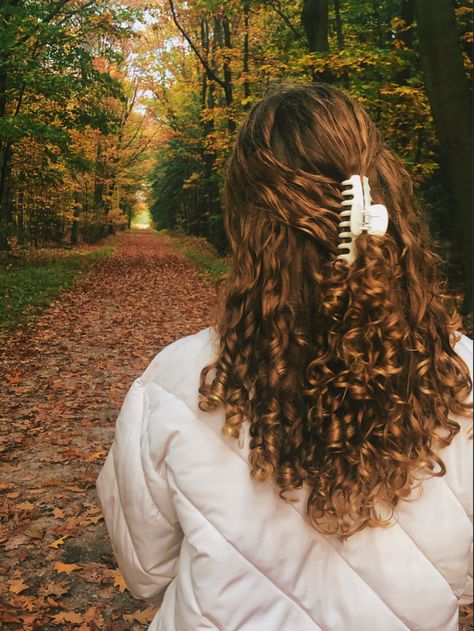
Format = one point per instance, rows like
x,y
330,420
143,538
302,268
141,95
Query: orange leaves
x,y
54,589
92,342
67,568
18,586
58,513
144,616
119,581
98,455
67,616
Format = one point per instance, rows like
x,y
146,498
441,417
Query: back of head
x,y
345,372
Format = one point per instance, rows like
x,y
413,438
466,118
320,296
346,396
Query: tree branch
x,y
51,15
210,72
276,6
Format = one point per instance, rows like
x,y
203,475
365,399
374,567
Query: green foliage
x,y
61,93
373,53
27,287
206,259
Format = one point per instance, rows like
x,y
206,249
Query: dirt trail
x,y
63,381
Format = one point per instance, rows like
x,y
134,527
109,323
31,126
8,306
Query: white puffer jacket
x,y
184,514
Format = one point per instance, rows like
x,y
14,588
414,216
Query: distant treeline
x,y
385,53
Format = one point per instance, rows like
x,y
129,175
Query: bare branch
x,y
276,6
210,72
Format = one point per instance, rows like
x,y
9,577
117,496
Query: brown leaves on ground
x,y
64,379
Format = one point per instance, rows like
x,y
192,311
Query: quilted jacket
x,y
187,521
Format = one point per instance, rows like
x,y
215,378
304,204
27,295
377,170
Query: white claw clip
x,y
359,215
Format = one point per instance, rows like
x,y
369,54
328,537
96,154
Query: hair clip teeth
x,y
359,215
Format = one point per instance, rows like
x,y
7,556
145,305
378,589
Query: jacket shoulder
x,y
177,367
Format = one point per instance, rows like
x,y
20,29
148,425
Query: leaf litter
x,y
63,377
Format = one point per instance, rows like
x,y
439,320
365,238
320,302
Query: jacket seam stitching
x,y
426,557
335,550
138,563
457,499
239,552
266,482
175,527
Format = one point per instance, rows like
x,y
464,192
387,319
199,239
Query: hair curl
x,y
346,374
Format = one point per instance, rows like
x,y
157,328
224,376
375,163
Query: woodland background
x,y
122,113
111,108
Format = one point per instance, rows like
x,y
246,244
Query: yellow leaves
x,y
66,568
192,181
98,455
101,64
58,542
92,516
463,11
119,581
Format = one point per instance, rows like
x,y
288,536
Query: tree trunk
x,y
205,47
315,20
339,31
6,213
75,221
246,55
99,181
5,197
222,35
377,20
407,13
450,101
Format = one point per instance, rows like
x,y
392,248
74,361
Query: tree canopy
x,y
105,105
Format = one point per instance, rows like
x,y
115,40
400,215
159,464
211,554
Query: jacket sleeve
x,y
136,503
462,466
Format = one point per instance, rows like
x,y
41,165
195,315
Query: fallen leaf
x,y
74,489
58,542
14,377
56,589
17,540
58,513
8,468
18,586
25,506
67,568
7,617
143,616
67,616
96,456
119,581
91,519
29,619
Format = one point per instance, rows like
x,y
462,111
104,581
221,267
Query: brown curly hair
x,y
346,373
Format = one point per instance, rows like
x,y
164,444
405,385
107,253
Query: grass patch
x,y
213,268
28,286
200,252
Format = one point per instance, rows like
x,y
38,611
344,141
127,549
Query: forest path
x,y
65,377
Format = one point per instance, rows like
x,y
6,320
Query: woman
x,y
331,377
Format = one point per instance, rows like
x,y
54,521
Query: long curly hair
x,y
345,373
